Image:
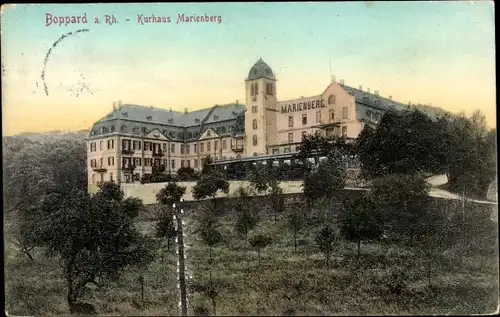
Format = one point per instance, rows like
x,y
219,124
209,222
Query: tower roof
x,y
260,69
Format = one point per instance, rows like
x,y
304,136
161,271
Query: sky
x,y
438,53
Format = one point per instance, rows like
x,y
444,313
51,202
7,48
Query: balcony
x,y
237,148
158,153
127,152
128,168
99,169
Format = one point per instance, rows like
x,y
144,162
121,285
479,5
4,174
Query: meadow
x,y
383,280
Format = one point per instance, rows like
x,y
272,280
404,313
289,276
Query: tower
x,y
260,116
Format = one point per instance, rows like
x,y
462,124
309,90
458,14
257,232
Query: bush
x,y
397,281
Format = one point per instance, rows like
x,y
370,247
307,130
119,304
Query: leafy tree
x,y
247,215
209,185
259,242
211,237
360,220
207,167
405,142
325,241
186,174
262,179
328,177
165,227
316,146
170,194
93,238
295,221
207,228
277,199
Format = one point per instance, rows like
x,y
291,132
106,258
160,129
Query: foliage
x,y
170,194
328,177
262,179
360,220
186,174
209,185
404,142
247,215
325,242
316,146
277,199
93,238
206,167
259,242
165,227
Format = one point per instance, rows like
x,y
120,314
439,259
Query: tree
x,y
170,194
360,220
207,167
277,200
93,238
261,179
165,227
316,146
325,242
209,185
208,223
247,216
186,174
295,222
405,142
211,237
328,177
259,242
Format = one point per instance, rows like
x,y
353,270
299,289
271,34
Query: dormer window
x,y
144,129
179,136
223,129
197,134
93,132
149,118
197,120
112,128
216,117
190,135
170,120
208,132
171,134
125,114
123,128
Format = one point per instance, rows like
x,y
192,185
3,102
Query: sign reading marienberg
x,y
303,105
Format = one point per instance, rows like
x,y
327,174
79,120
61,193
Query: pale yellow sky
x,y
432,53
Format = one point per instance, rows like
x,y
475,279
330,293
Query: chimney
x,y
390,97
119,103
333,79
368,90
360,87
342,82
376,92
237,102
114,105
186,111
169,109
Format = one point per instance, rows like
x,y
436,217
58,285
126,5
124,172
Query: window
x,y
344,113
202,147
208,132
111,161
254,109
223,129
195,163
146,146
256,89
290,121
187,149
173,164
332,100
304,119
344,131
215,145
172,148
101,145
189,163
332,115
149,117
92,147
182,148
254,140
209,145
195,148
111,144
147,162
144,129
290,137
254,124
252,90
102,162
318,116
182,163
224,144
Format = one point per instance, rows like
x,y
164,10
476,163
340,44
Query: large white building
x,y
132,140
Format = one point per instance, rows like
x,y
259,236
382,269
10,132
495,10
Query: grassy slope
x,y
37,288
288,283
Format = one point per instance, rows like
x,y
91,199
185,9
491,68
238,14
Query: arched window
x,y
369,114
331,100
123,128
171,134
144,129
230,128
271,89
252,91
179,136
254,124
223,129
256,89
112,128
254,140
190,135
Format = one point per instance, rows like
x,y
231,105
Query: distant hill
x,y
432,111
44,136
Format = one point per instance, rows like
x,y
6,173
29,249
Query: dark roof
x,y
260,70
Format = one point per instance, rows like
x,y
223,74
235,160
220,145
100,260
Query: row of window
x,y
171,134
128,145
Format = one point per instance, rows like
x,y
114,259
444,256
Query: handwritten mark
x,y
50,51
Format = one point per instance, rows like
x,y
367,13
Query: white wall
x,y
147,192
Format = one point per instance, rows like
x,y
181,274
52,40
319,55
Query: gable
x,y
155,134
209,134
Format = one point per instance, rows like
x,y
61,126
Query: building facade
x,y
134,140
